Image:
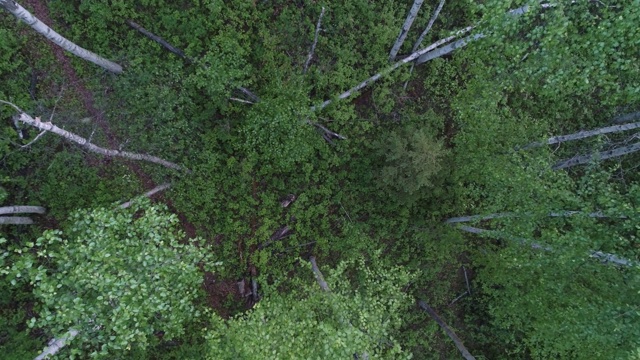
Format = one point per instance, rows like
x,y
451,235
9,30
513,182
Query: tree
x,y
22,14
115,277
341,319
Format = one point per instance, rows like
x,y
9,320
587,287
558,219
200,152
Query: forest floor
x,y
221,293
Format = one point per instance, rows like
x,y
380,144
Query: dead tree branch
x,y
159,40
40,27
452,335
386,71
626,118
315,42
323,284
148,194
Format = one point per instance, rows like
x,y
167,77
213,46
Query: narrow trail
x,y
77,85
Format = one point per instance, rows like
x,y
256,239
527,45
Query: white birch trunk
x,y
413,13
22,14
21,209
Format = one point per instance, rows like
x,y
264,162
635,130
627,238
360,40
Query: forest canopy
x,y
314,179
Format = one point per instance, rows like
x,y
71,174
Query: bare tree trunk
x,y
583,134
413,13
22,209
452,335
159,40
148,194
48,126
56,345
22,14
603,155
15,220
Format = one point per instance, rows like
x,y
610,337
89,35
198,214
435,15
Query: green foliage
x,y
413,158
116,276
358,316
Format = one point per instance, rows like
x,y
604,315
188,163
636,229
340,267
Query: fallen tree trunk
x,y
583,134
48,126
452,335
22,14
22,209
602,256
15,220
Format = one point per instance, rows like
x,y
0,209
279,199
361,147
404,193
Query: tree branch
x,y
405,29
148,194
597,214
323,284
159,40
452,335
315,42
